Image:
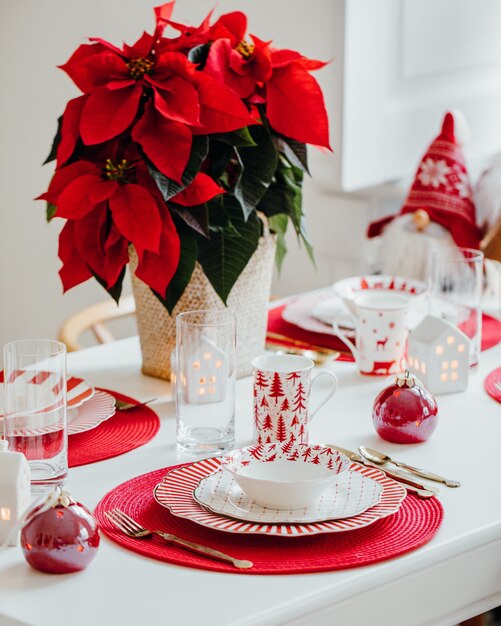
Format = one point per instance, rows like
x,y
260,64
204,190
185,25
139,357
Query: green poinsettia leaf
x,y
240,138
196,217
284,200
168,187
198,54
184,271
303,235
296,152
278,225
116,290
55,142
284,194
50,211
224,257
220,156
258,168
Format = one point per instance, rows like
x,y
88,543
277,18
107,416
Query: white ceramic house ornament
x,y
15,486
438,354
206,373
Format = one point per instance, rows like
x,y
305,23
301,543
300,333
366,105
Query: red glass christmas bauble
x,y
405,412
61,536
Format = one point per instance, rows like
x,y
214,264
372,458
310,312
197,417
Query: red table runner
x,y
123,432
413,525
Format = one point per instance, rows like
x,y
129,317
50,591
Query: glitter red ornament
x,y
405,412
61,536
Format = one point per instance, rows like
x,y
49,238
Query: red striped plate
x,y
77,392
94,412
175,493
77,389
98,409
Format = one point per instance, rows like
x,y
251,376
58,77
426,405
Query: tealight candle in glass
x,y
205,381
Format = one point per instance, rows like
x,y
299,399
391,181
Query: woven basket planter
x,y
248,300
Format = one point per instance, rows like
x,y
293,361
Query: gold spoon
x,y
380,459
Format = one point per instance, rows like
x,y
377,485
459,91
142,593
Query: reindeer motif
x,y
381,343
383,367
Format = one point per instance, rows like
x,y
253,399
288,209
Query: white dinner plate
x,y
352,494
85,417
316,312
91,414
175,493
300,311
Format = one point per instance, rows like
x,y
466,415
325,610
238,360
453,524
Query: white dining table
x,y
454,576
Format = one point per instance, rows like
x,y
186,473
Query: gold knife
x,y
423,491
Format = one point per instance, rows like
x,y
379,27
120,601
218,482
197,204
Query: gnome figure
x,y
488,203
438,212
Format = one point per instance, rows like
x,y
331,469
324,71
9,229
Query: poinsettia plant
x,y
175,146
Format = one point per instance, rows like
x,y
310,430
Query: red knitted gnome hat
x,y
442,188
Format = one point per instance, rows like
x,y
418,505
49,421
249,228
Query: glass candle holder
x,y
205,381
455,284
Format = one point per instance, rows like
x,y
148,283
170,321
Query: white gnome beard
x,y
488,196
405,251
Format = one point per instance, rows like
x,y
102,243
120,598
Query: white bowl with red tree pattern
x,y
285,476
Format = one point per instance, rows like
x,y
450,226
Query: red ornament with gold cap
x,y
405,412
60,535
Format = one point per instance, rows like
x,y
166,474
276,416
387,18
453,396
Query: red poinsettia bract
x,y
278,79
160,96
107,207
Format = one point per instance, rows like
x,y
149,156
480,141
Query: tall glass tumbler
x,y
455,283
205,381
35,419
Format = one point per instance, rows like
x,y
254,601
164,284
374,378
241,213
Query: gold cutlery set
x,y
317,354
374,458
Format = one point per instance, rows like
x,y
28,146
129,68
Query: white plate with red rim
x,y
353,494
285,475
301,311
85,417
92,413
175,493
78,390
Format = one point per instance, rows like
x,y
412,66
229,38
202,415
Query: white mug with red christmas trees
x,y
281,394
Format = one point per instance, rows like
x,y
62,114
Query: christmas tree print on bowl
x,y
285,476
281,393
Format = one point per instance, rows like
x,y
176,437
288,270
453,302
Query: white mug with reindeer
x,y
281,393
380,332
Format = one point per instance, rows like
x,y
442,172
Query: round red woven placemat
x,y
413,525
491,331
123,432
490,384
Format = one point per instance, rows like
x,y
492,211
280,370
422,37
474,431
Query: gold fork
x,y
131,528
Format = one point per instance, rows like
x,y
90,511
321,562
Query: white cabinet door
x,y
406,62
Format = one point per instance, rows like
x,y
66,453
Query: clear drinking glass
x,y
455,283
35,419
205,381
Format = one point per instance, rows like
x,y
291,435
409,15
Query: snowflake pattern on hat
x,y
442,188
